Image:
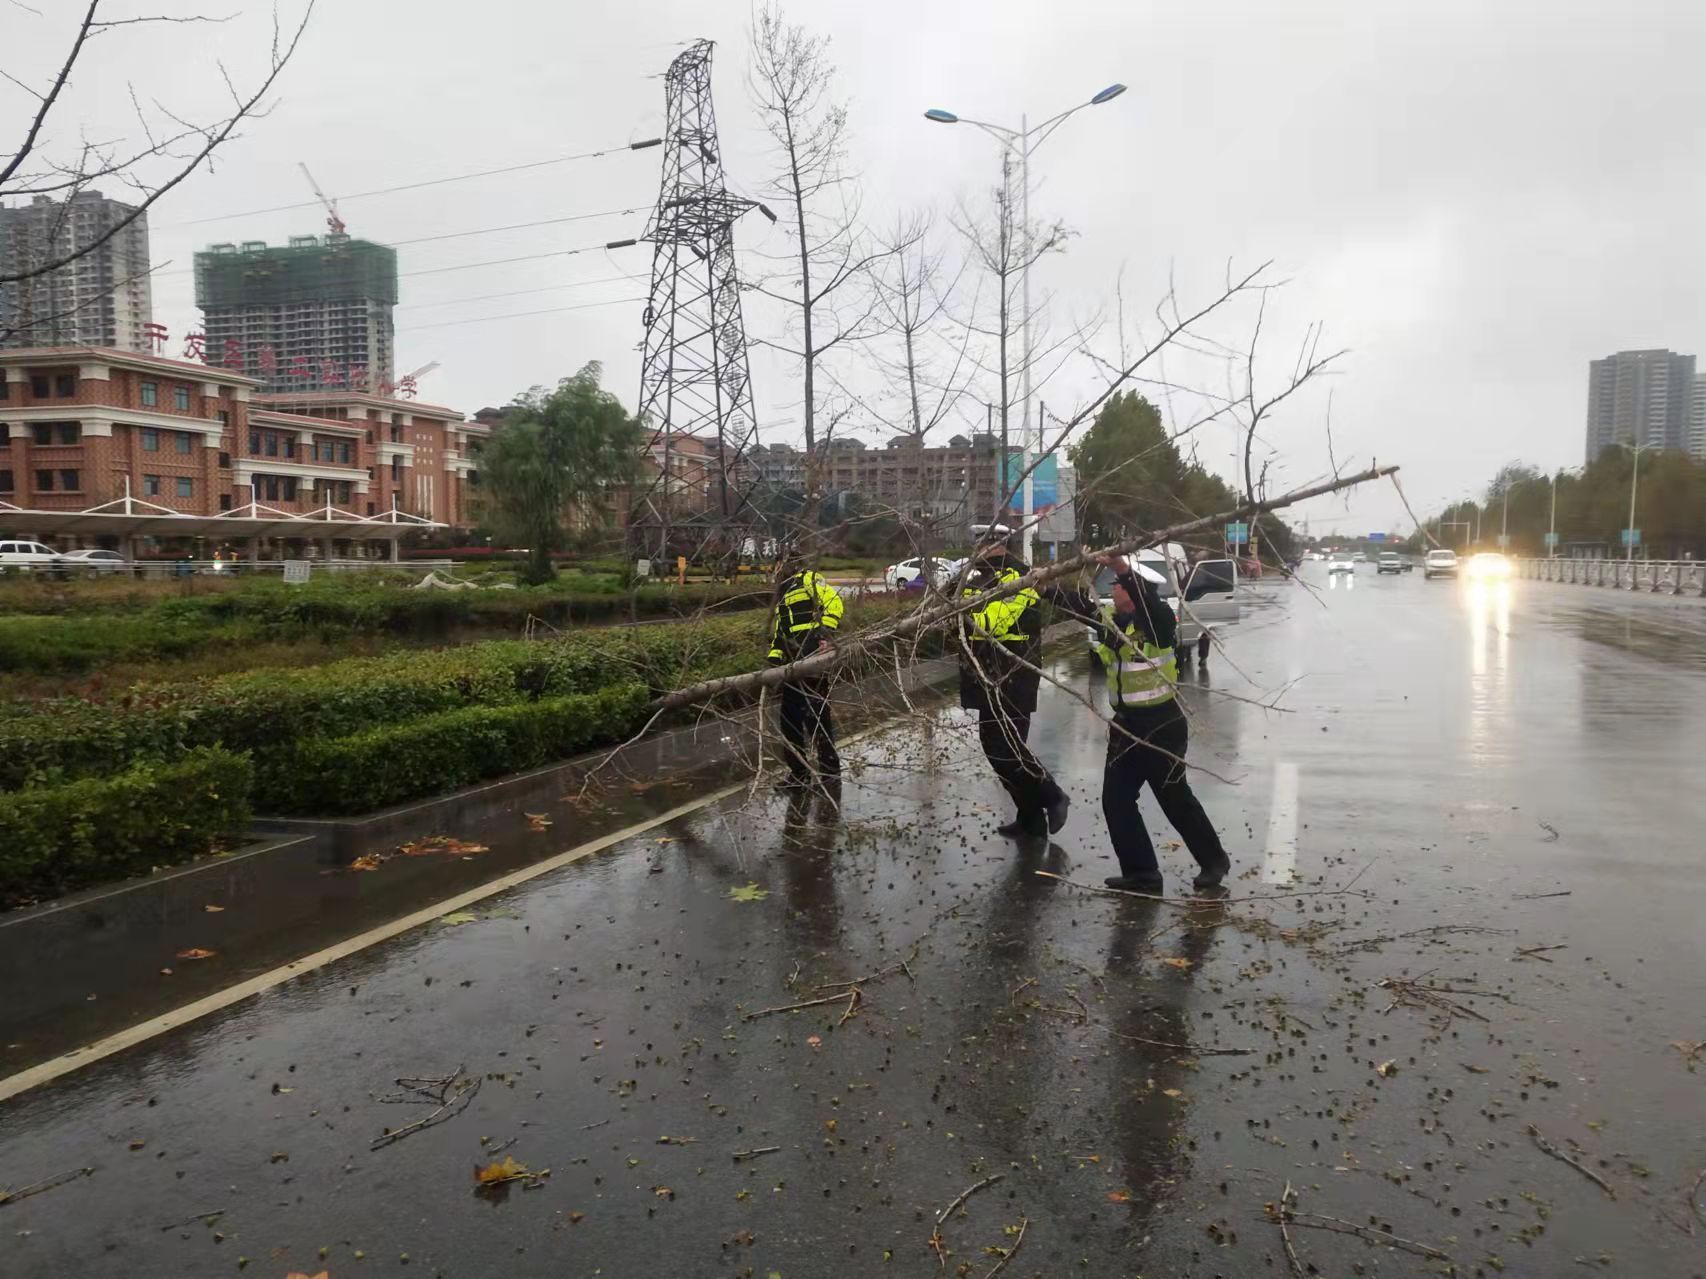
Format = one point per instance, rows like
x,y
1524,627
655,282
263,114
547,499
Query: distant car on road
x,y
1488,564
909,574
1357,557
1341,562
1389,562
93,563
31,557
1440,563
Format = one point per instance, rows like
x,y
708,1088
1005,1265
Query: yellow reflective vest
x,y
808,604
1002,621
1140,673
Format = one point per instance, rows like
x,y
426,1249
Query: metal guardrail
x,y
1657,577
152,569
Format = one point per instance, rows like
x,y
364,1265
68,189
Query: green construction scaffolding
x,y
310,268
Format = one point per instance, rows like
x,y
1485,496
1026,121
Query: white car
x,y
1210,597
1440,563
910,573
1342,562
91,563
30,557
1488,564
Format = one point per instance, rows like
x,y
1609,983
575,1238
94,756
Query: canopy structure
x,y
132,517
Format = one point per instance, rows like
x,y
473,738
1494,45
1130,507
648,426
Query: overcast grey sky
x,y
1475,196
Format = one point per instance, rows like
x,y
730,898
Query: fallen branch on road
x,y
205,1218
1413,992
454,1103
1189,1048
852,1000
1198,903
1548,1148
1009,1253
1283,1215
1370,1234
35,1188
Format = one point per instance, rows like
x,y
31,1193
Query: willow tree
x,y
560,455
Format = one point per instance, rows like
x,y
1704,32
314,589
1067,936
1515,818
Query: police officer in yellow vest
x,y
1149,735
998,679
806,616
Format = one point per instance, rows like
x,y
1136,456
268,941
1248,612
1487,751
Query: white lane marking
x,y
129,1037
1279,864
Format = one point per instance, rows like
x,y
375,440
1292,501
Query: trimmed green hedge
x,y
54,839
435,753
81,643
266,712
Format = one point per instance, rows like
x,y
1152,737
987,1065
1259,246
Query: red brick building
x,y
114,448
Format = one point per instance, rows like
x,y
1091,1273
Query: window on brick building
x,y
5,436
6,483
396,434
186,486
346,452
150,440
224,461
148,393
39,386
68,432
5,387
42,432
71,481
272,444
225,501
183,442
44,481
65,384
287,488
290,446
223,417
270,486
254,443
397,468
150,486
181,398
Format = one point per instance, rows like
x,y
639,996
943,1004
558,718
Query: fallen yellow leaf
x,y
505,1169
1119,1196
1386,1068
814,1041
213,910
195,952
1171,1092
1177,962
297,1274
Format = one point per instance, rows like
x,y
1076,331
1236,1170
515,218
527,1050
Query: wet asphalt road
x,y
1445,752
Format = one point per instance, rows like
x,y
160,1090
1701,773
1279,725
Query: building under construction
x,y
313,315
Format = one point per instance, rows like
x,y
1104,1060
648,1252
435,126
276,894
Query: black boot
x,y
1136,883
1212,873
1057,813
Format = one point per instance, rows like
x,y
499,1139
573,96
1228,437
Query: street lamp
x,y
1634,479
1021,142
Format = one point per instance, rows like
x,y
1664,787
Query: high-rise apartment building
x,y
1697,419
99,298
1639,397
315,315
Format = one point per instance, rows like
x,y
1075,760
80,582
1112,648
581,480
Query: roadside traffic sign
x,y
1551,539
1631,537
1238,534
1504,540
1377,537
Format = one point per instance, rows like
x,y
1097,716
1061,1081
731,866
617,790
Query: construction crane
x,y
333,222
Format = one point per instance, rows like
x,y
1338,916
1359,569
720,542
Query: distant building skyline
x,y
99,299
1640,397
1697,419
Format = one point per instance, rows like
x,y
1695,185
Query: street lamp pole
x,y
1025,140
1552,522
1634,481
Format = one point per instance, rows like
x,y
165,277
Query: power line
x,y
430,182
515,293
526,257
517,315
514,226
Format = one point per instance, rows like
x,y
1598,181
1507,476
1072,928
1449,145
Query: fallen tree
x,y
856,646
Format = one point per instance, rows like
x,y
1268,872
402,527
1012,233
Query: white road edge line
x,y
1279,865
77,1058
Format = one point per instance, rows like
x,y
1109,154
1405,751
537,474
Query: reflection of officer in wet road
x,y
998,679
1149,735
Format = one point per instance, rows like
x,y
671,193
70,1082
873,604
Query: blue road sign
x,y
1377,537
1238,534
1631,537
1551,539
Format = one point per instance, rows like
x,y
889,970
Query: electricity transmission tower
x,y
694,376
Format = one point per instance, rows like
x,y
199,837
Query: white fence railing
x,y
1657,577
